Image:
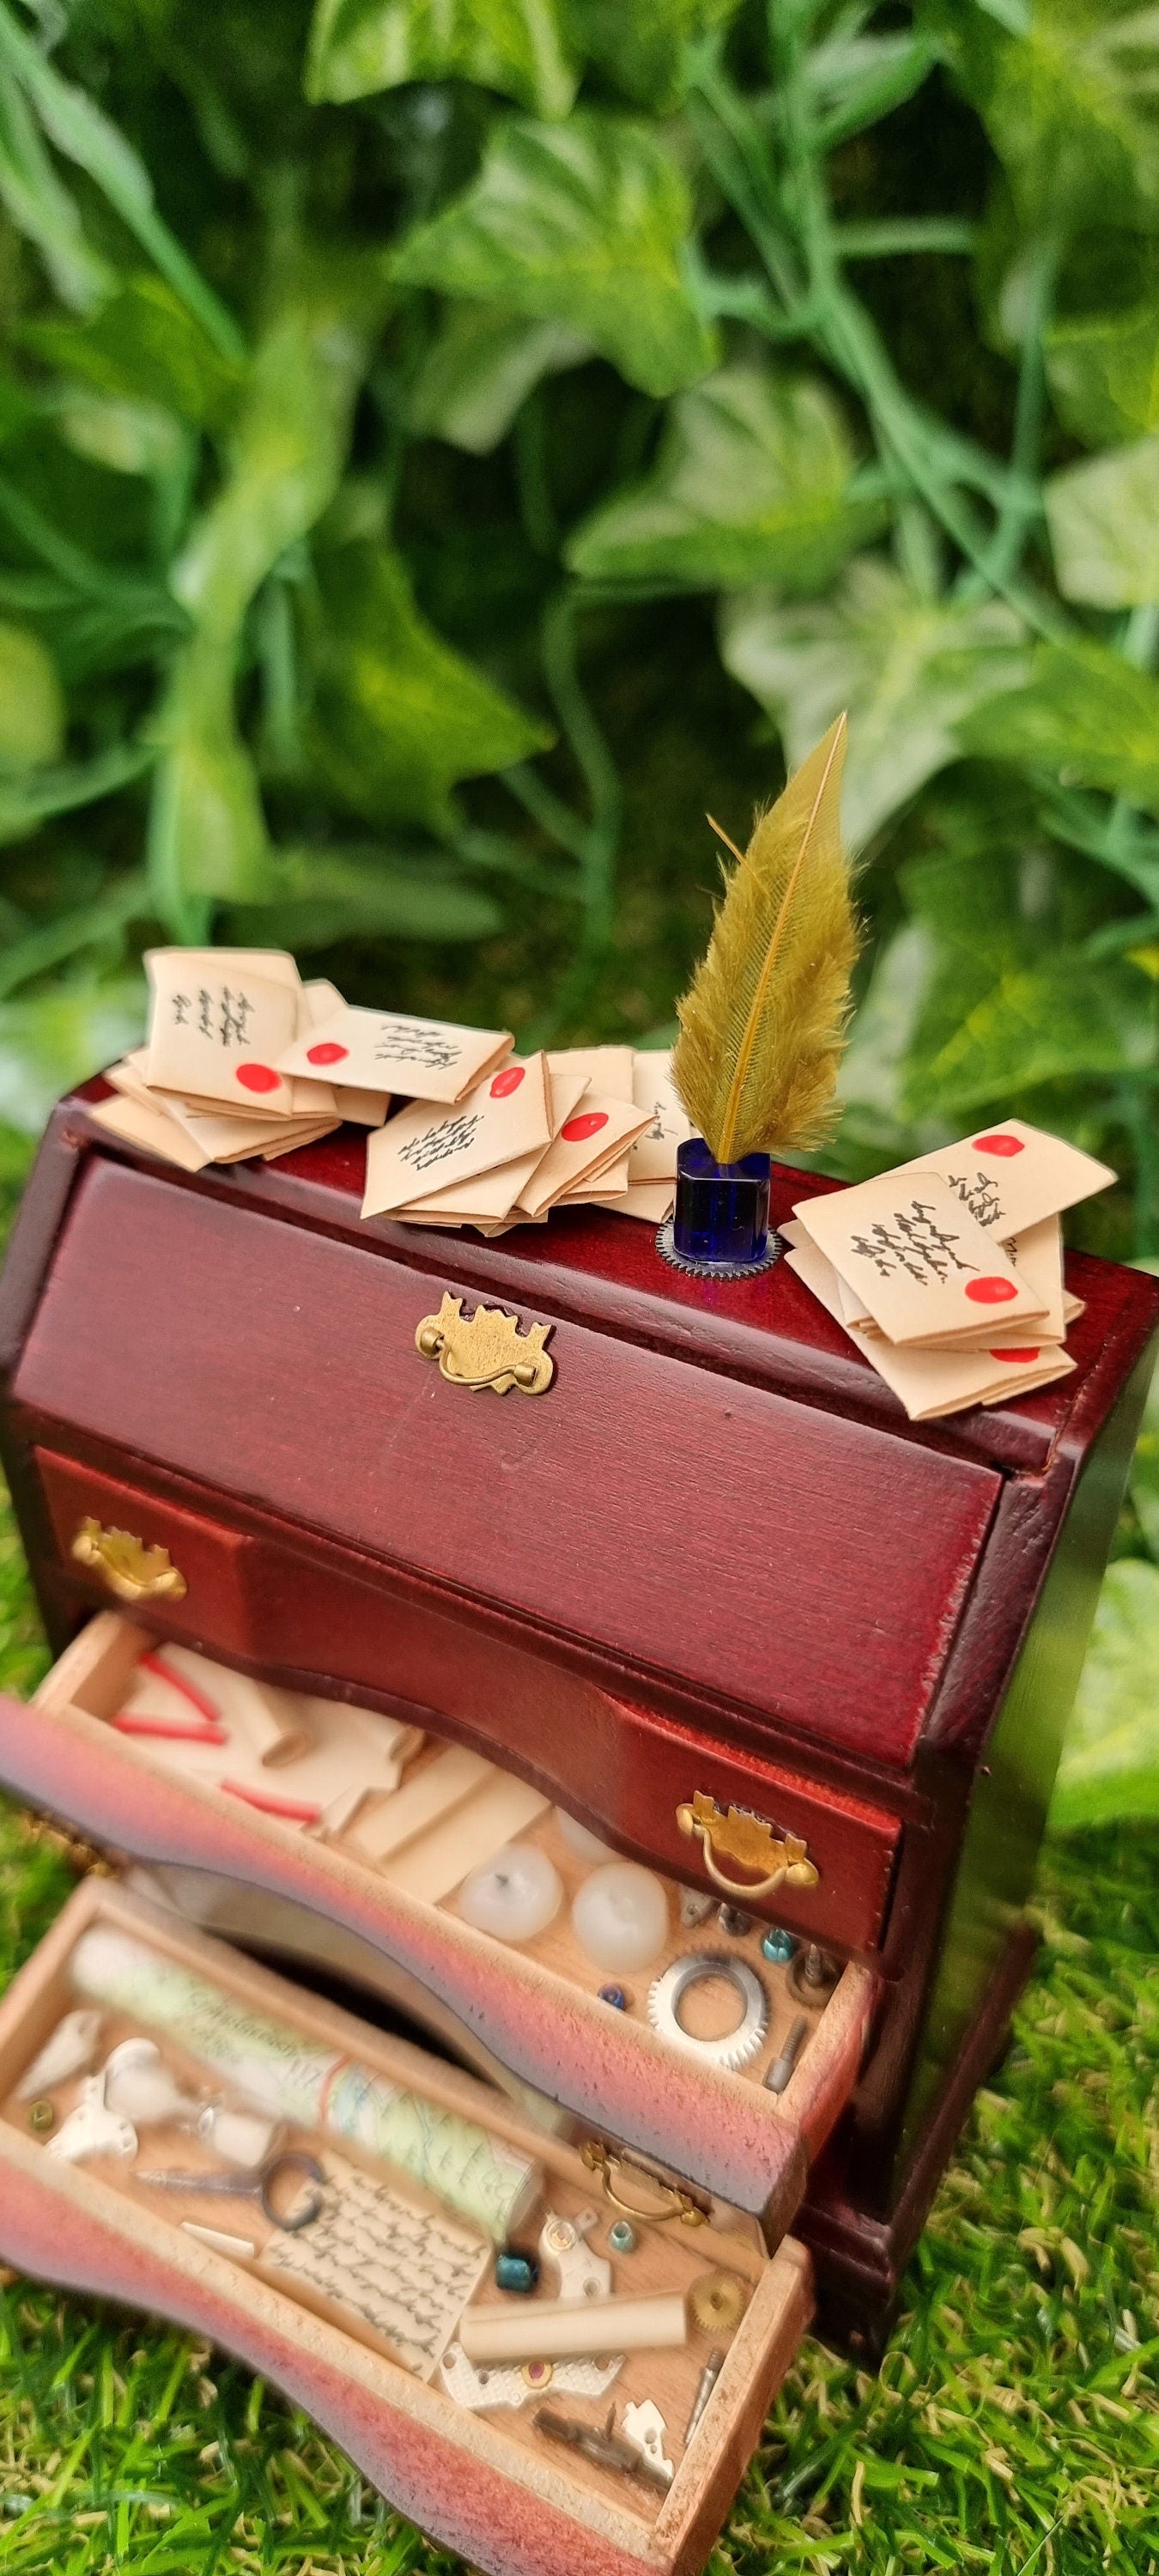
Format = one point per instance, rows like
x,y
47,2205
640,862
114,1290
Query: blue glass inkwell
x,y
719,1228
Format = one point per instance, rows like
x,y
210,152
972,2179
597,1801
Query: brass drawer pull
x,y
742,1836
610,2164
129,1568
486,1349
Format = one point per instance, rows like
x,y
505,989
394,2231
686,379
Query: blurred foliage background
x,y
443,448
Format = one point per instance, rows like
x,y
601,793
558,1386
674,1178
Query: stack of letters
x,y
947,1273
244,1059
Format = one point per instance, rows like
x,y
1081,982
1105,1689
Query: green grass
x,y
1013,2426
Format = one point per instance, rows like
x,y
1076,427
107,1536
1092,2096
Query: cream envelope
x,y
431,1060
308,1134
138,1124
219,1018
653,1156
608,1070
928,1383
581,1146
507,1114
1010,1175
1036,1255
493,1195
219,1138
362,1108
651,1200
914,1254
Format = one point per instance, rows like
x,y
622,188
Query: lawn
x,y
1014,2423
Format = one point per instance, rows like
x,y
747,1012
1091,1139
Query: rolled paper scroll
x,y
278,2069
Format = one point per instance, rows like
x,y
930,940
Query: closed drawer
x,y
536,2007
488,2486
629,1771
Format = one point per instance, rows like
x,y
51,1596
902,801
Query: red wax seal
x,y
258,1077
328,1052
999,1144
991,1292
507,1082
587,1124
1012,1355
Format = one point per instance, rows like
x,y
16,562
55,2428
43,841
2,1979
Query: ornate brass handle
x,y
129,1568
486,1349
742,1836
609,2162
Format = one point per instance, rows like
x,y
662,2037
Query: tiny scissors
x,y
256,2182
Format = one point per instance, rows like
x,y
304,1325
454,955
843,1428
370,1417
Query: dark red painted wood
x,y
800,1565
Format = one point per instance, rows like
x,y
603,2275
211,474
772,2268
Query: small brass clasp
x,y
486,1349
130,1569
611,2164
746,1838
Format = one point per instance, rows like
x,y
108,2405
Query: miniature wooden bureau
x,y
713,1573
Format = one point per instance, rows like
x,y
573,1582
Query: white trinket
x,y
620,1916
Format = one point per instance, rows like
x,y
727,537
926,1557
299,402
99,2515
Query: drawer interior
x,y
208,2014
411,1849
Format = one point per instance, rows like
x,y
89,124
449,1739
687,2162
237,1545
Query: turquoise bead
x,y
779,1946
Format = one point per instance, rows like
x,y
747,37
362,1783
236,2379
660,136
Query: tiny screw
x,y
778,1947
622,2237
42,2118
617,1996
733,1920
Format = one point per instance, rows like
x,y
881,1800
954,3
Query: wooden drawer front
x,y
536,2008
483,2485
626,1770
218,1566
801,1565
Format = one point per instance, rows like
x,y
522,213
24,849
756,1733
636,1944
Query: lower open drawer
x,y
536,2007
366,2314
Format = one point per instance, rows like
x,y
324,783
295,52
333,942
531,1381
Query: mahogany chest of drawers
x,y
712,1593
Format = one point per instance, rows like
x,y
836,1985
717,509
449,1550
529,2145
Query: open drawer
x,y
367,2324
536,2007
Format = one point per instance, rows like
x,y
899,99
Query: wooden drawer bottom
x,y
537,2007
489,2485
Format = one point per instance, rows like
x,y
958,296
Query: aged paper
x,y
489,1199
653,1156
363,1108
587,1142
1010,1176
405,2272
391,1051
217,1026
913,1252
928,1383
507,1114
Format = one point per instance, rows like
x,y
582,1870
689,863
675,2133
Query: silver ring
x,y
667,1994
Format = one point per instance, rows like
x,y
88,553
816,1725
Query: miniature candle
x,y
620,1916
517,1895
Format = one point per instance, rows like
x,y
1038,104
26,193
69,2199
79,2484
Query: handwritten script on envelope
x,y
923,1265
505,1115
1011,1176
391,1051
218,1024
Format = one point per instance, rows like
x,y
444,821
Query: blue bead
x,y
622,2237
615,1996
779,1946
516,2272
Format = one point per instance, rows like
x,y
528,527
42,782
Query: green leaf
x,y
1110,1758
642,45
514,46
856,79
207,830
1084,713
144,346
32,710
128,438
1145,1467
53,1040
40,206
479,371
30,798
1063,1020
81,130
398,717
907,669
582,224
750,484
316,897
1103,517
1068,104
1103,373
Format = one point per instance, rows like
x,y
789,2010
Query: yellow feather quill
x,y
764,1024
